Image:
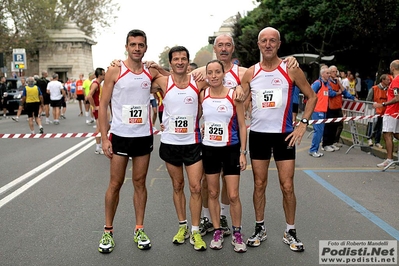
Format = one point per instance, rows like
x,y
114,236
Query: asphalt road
x,y
52,205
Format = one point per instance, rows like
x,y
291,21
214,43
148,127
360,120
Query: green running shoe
x,y
142,240
181,235
107,243
196,240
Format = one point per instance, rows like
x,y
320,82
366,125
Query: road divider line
x,y
352,203
25,187
42,166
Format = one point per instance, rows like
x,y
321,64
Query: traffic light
x,y
19,65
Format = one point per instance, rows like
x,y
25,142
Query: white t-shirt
x,y
54,87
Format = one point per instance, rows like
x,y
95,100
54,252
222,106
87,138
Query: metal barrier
x,y
357,127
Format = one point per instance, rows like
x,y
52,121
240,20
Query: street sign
x,y
16,67
19,57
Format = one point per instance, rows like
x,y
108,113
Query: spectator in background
x,y
350,84
67,86
191,67
63,101
94,99
80,95
321,87
377,94
295,103
159,97
73,90
358,84
33,98
86,90
3,92
42,84
21,104
369,82
332,131
56,92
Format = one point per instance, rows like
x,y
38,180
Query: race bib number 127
x,y
134,114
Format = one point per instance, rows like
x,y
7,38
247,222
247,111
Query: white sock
x,y
289,227
224,209
194,228
87,114
98,146
206,213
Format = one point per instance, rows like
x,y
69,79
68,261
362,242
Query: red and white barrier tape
x,y
48,135
53,135
343,119
88,135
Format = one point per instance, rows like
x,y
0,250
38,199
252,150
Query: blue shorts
x,y
153,103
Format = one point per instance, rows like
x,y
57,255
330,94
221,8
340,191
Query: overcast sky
x,y
166,23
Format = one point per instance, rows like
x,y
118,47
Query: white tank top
x,y
130,104
180,114
272,96
232,78
220,120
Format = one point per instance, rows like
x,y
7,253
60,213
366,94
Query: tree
x,y
24,22
358,32
164,58
204,55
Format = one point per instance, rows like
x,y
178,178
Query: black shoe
x,y
291,239
205,226
225,226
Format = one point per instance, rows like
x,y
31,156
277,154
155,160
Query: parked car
x,y
13,95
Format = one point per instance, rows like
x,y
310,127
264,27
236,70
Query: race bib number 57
x,y
269,98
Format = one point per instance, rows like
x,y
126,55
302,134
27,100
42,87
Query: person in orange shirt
x,y
80,95
390,120
378,94
321,87
332,131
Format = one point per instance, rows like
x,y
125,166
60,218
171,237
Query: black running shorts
x,y
131,147
217,158
262,145
180,154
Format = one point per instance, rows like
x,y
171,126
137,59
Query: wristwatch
x,y
305,121
244,152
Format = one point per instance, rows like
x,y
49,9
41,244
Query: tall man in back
x,y
271,85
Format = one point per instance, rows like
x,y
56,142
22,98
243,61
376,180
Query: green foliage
x,y
358,32
204,55
24,22
164,58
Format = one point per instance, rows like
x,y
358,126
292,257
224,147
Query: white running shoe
x,y
328,148
386,163
336,148
316,154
